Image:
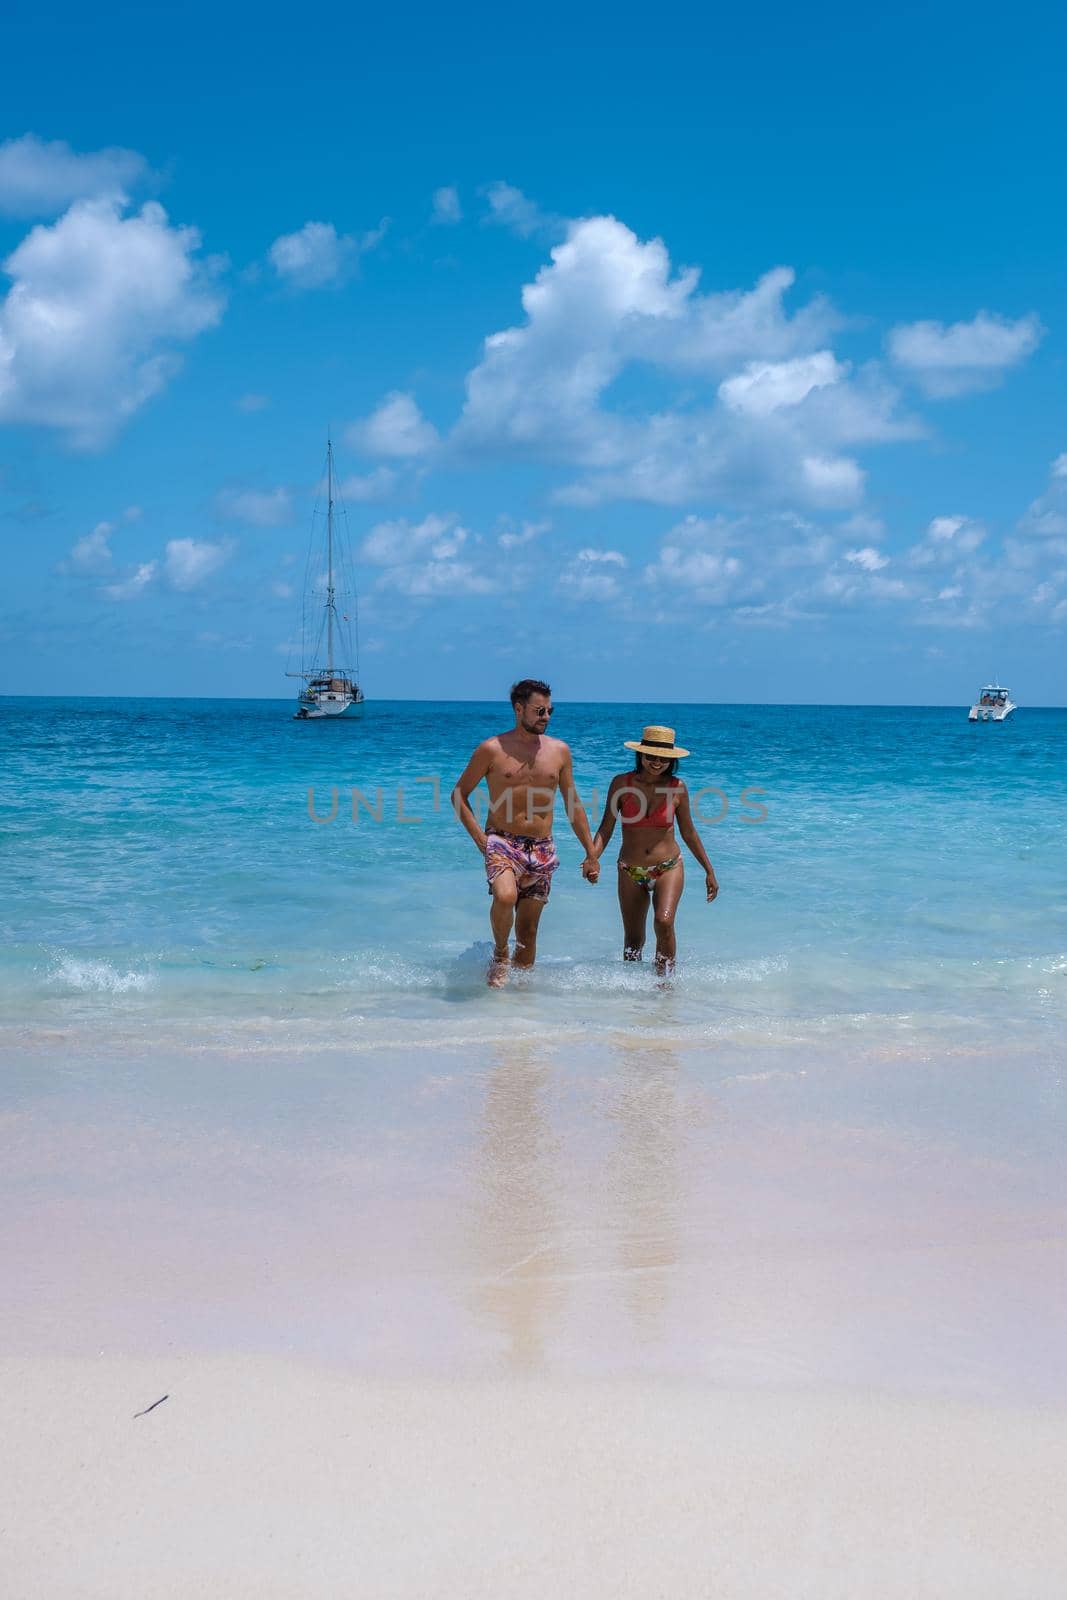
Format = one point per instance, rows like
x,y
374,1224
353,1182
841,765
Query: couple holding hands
x,y
524,768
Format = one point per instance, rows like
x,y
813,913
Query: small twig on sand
x,y
152,1407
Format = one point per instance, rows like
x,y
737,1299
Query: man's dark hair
x,y
521,691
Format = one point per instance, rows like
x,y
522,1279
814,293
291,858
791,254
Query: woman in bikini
x,y
648,801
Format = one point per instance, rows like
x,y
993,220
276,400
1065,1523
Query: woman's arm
x,y
607,822
683,816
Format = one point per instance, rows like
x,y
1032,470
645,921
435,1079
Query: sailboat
x,y
329,662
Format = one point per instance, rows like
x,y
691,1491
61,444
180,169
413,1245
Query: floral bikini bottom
x,y
647,876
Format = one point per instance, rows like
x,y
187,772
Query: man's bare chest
x,y
513,773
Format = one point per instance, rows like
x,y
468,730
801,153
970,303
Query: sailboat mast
x,y
329,557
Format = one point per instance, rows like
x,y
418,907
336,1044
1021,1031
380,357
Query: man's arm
x,y
578,819
469,779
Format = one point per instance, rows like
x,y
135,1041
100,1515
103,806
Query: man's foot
x,y
631,953
497,976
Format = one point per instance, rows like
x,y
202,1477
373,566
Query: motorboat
x,y
994,704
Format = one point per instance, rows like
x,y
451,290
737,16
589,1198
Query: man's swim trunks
x,y
533,861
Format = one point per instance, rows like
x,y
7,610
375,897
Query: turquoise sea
x,y
165,880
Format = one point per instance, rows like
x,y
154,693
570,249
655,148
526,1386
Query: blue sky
x,y
687,357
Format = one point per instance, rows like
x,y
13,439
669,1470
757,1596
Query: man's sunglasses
x,y
545,711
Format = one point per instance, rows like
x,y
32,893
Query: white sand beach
x,y
601,1321
278,1480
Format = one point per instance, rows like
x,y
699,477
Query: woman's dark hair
x,y
521,691
671,764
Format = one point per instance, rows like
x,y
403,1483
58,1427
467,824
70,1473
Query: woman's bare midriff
x,y
643,847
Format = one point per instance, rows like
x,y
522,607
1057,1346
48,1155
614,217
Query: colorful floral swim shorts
x,y
533,861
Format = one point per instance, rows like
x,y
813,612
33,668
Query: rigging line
x,y
346,562
307,580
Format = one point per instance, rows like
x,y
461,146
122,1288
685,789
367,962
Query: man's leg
x,y
502,911
526,919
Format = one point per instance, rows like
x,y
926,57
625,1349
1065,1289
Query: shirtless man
x,y
523,769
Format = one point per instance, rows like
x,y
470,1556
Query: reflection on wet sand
x,y
592,1229
516,1225
645,1188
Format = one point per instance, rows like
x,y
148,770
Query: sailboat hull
x,y
315,708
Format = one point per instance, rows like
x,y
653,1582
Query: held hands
x,y
712,884
591,869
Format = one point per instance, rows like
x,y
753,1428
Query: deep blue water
x,y
163,877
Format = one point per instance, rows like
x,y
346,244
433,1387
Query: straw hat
x,y
657,741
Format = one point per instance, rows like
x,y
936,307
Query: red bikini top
x,y
631,805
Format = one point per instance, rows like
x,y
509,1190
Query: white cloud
x,y
1046,517
607,301
261,508
947,539
538,385
588,576
40,178
446,207
132,587
97,302
512,538
189,561
695,560
92,553
832,481
397,428
707,575
419,557
769,569
395,542
253,402
766,386
870,559
947,361
943,529
376,485
725,327
317,256
613,558
512,209
428,578
861,585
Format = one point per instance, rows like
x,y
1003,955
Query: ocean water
x,y
899,879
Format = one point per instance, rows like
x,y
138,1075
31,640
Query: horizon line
x,y
827,705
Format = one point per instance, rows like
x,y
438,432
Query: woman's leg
x,y
666,893
633,903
